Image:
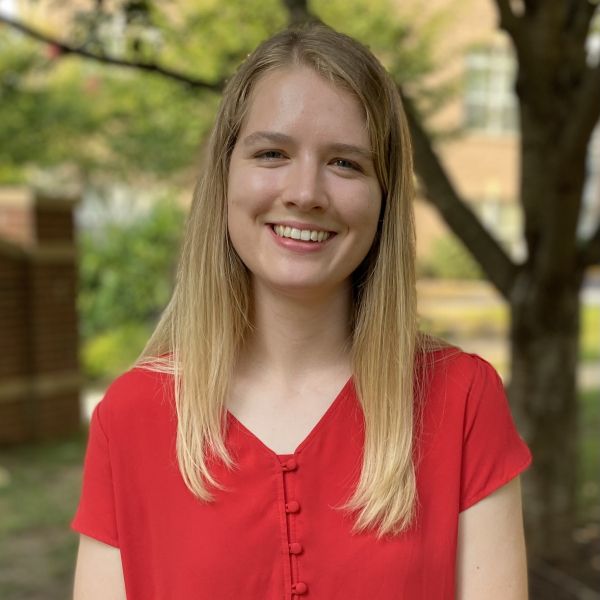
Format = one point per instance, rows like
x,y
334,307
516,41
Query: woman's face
x,y
302,168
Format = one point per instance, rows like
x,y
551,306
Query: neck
x,y
298,336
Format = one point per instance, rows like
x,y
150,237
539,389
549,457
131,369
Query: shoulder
x,y
134,399
457,386
455,369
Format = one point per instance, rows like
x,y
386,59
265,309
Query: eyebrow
x,y
282,138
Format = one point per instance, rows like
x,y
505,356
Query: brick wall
x,y
39,375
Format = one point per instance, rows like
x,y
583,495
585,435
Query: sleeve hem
x,y
492,487
101,537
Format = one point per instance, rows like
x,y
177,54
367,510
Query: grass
x,y
39,490
590,333
589,466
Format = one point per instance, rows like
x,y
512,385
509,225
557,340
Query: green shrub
x,y
127,269
108,354
126,278
449,259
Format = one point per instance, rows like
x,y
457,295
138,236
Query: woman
x,y
288,431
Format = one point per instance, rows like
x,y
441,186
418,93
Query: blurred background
x,y
104,110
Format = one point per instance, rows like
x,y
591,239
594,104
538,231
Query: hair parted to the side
x,y
208,317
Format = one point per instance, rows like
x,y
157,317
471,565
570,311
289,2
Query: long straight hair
x,y
203,327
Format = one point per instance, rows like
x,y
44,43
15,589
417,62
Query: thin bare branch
x,y
497,265
151,67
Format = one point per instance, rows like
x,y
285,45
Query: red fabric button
x,y
299,588
290,465
295,548
292,506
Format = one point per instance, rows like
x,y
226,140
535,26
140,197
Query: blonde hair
x,y
207,319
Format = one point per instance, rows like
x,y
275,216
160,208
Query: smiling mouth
x,y
301,235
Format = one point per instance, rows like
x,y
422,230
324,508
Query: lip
x,y
298,246
299,225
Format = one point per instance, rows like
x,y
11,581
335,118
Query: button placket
x,y
299,588
291,464
292,506
295,547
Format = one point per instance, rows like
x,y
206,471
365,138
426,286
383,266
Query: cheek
x,y
237,229
363,212
249,198
251,191
365,219
235,206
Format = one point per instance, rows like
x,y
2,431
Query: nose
x,y
304,186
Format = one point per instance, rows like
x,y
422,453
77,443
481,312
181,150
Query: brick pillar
x,y
39,375
14,341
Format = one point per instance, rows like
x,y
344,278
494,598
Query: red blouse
x,y
274,535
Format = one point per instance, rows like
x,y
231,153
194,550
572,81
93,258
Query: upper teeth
x,y
305,235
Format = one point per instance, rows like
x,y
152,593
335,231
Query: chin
x,y
300,288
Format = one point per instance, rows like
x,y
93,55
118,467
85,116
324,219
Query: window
x,y
490,101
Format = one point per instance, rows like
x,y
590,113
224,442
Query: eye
x,y
269,155
346,164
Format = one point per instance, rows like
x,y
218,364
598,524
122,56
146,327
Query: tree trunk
x,y
544,297
545,322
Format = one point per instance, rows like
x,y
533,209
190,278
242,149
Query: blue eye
x,y
270,154
346,164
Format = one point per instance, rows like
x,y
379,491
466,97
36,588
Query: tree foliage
x,y
122,124
129,122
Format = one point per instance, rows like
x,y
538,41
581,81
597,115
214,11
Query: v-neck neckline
x,y
320,424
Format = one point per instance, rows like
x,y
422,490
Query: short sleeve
x,y
95,515
493,451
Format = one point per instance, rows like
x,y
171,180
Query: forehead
x,y
298,98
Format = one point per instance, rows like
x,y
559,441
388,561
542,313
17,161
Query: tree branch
x,y
298,11
589,254
581,19
494,261
532,6
66,48
508,20
497,265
